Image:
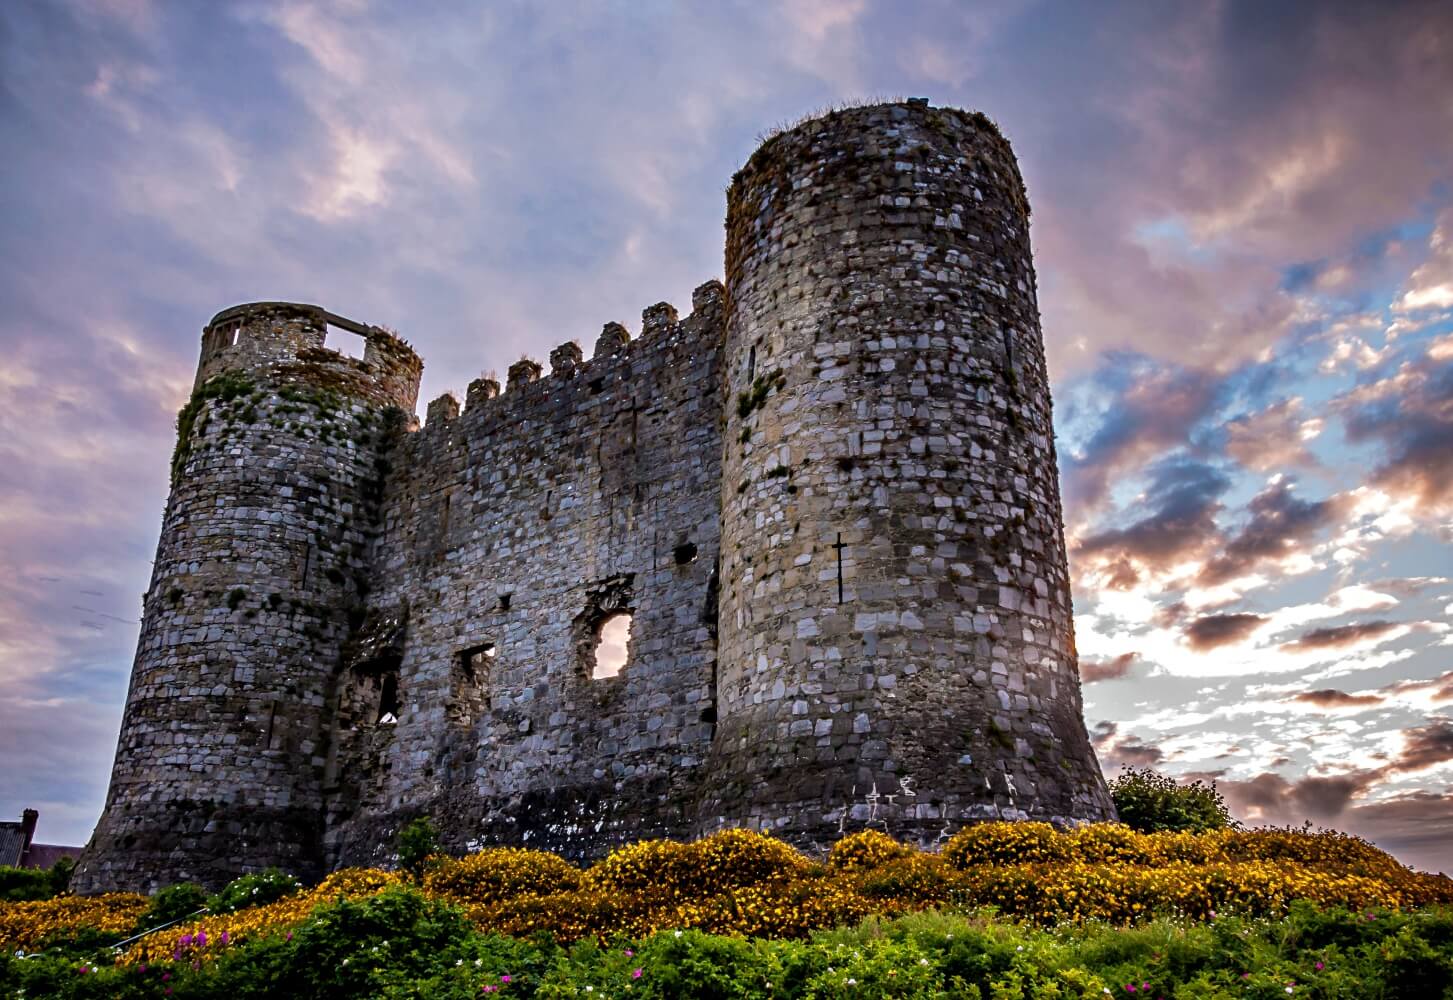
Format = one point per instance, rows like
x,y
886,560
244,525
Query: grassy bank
x,y
1003,911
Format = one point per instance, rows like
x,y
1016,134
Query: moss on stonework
x,y
762,386
1000,736
225,387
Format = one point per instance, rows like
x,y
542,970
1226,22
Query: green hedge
x,y
21,884
400,944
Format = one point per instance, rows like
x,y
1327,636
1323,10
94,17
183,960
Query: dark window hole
x,y
474,662
388,700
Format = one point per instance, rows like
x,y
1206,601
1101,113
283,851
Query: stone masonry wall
x,y
828,498
896,641
262,555
517,527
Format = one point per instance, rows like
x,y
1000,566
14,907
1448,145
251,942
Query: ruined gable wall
x,y
570,494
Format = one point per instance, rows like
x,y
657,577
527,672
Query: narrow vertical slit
x,y
838,545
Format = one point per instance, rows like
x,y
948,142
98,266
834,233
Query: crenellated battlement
x,y
616,359
299,341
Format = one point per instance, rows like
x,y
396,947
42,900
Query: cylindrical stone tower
x,y
896,647
275,486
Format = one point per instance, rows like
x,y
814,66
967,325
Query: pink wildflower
x,y
636,974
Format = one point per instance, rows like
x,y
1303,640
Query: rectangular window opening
x,y
469,683
345,342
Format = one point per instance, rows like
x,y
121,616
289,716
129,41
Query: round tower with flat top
x,y
896,647
276,480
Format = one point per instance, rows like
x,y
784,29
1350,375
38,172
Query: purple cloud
x,y
1210,631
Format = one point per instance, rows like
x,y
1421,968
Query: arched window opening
x,y
611,645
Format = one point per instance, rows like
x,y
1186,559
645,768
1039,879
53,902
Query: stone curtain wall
x,y
262,556
517,526
896,640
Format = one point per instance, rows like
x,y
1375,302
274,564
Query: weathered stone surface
x,y
828,500
890,507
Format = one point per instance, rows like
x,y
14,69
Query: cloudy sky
x,y
1243,224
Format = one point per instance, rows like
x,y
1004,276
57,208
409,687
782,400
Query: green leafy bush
x,y
418,841
20,884
173,903
254,890
401,944
1151,802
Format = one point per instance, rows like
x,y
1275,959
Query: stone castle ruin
x,y
827,499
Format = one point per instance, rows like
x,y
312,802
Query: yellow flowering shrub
x,y
1050,893
917,879
776,909
501,873
656,866
1005,844
675,872
568,916
743,883
1326,847
1108,843
1168,847
866,849
352,882
25,925
200,939
734,858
